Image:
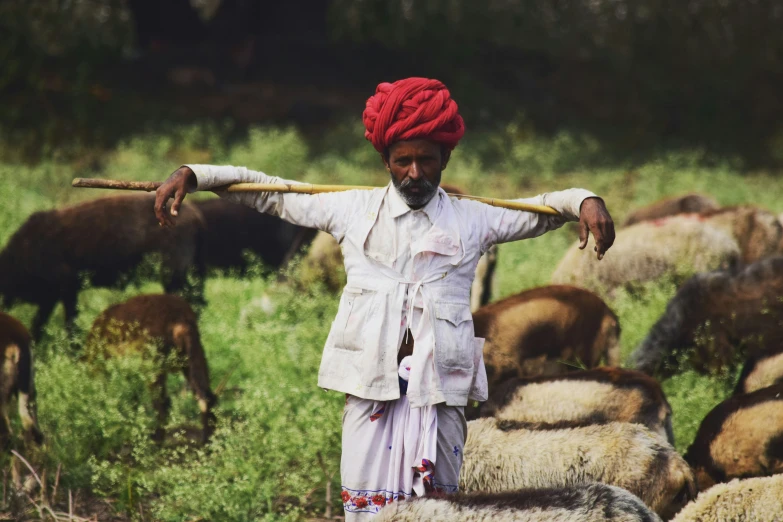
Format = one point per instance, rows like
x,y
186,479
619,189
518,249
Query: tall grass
x,y
278,440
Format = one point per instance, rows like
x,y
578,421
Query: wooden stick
x,y
299,188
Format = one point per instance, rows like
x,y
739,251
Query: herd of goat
x,y
553,442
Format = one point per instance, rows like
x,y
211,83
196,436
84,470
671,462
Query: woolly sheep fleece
x,y
582,401
760,372
687,203
620,454
749,500
584,503
678,246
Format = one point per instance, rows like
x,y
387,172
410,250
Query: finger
x,y
607,237
598,237
583,235
178,197
162,196
160,205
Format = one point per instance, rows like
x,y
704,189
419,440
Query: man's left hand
x,y
593,217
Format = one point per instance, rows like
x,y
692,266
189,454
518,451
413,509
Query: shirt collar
x,y
397,207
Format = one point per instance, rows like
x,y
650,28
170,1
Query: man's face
x,y
415,167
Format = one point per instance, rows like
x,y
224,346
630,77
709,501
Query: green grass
x,y
278,441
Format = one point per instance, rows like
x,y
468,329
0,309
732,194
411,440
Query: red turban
x,y
409,109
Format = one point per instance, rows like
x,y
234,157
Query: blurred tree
x,y
684,67
704,71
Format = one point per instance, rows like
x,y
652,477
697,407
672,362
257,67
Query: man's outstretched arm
x,y
581,205
329,212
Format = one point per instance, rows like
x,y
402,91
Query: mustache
x,y
421,183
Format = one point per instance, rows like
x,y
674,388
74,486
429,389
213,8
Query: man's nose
x,y
415,171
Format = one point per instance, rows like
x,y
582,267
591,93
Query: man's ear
x,y
445,155
385,160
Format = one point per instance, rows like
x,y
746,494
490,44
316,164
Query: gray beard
x,y
415,201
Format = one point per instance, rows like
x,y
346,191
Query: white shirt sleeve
x,y
504,225
330,212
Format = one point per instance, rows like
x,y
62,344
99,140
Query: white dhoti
x,y
391,451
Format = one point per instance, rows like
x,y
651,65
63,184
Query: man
x,y
410,256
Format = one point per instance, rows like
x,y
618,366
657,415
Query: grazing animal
x,y
169,321
581,503
686,204
757,231
741,437
324,263
16,379
498,457
481,289
232,229
543,330
103,239
584,397
722,316
677,247
748,500
759,372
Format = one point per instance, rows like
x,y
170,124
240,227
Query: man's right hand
x,y
182,181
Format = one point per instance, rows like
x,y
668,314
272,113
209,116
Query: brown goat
x,y
104,239
584,397
686,204
546,331
16,379
741,437
760,371
715,320
232,229
169,321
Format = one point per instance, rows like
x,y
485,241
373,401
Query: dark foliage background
x,y
642,74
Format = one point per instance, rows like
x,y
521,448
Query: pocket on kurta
x,y
453,336
355,312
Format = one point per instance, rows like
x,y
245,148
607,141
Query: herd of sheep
x,y
552,442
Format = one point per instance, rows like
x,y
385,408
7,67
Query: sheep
x,y
748,500
677,247
724,316
757,231
232,229
593,502
498,457
759,372
170,322
324,263
741,437
482,286
586,397
104,239
685,204
536,331
16,379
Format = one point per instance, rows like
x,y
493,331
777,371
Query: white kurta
x,y
404,268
